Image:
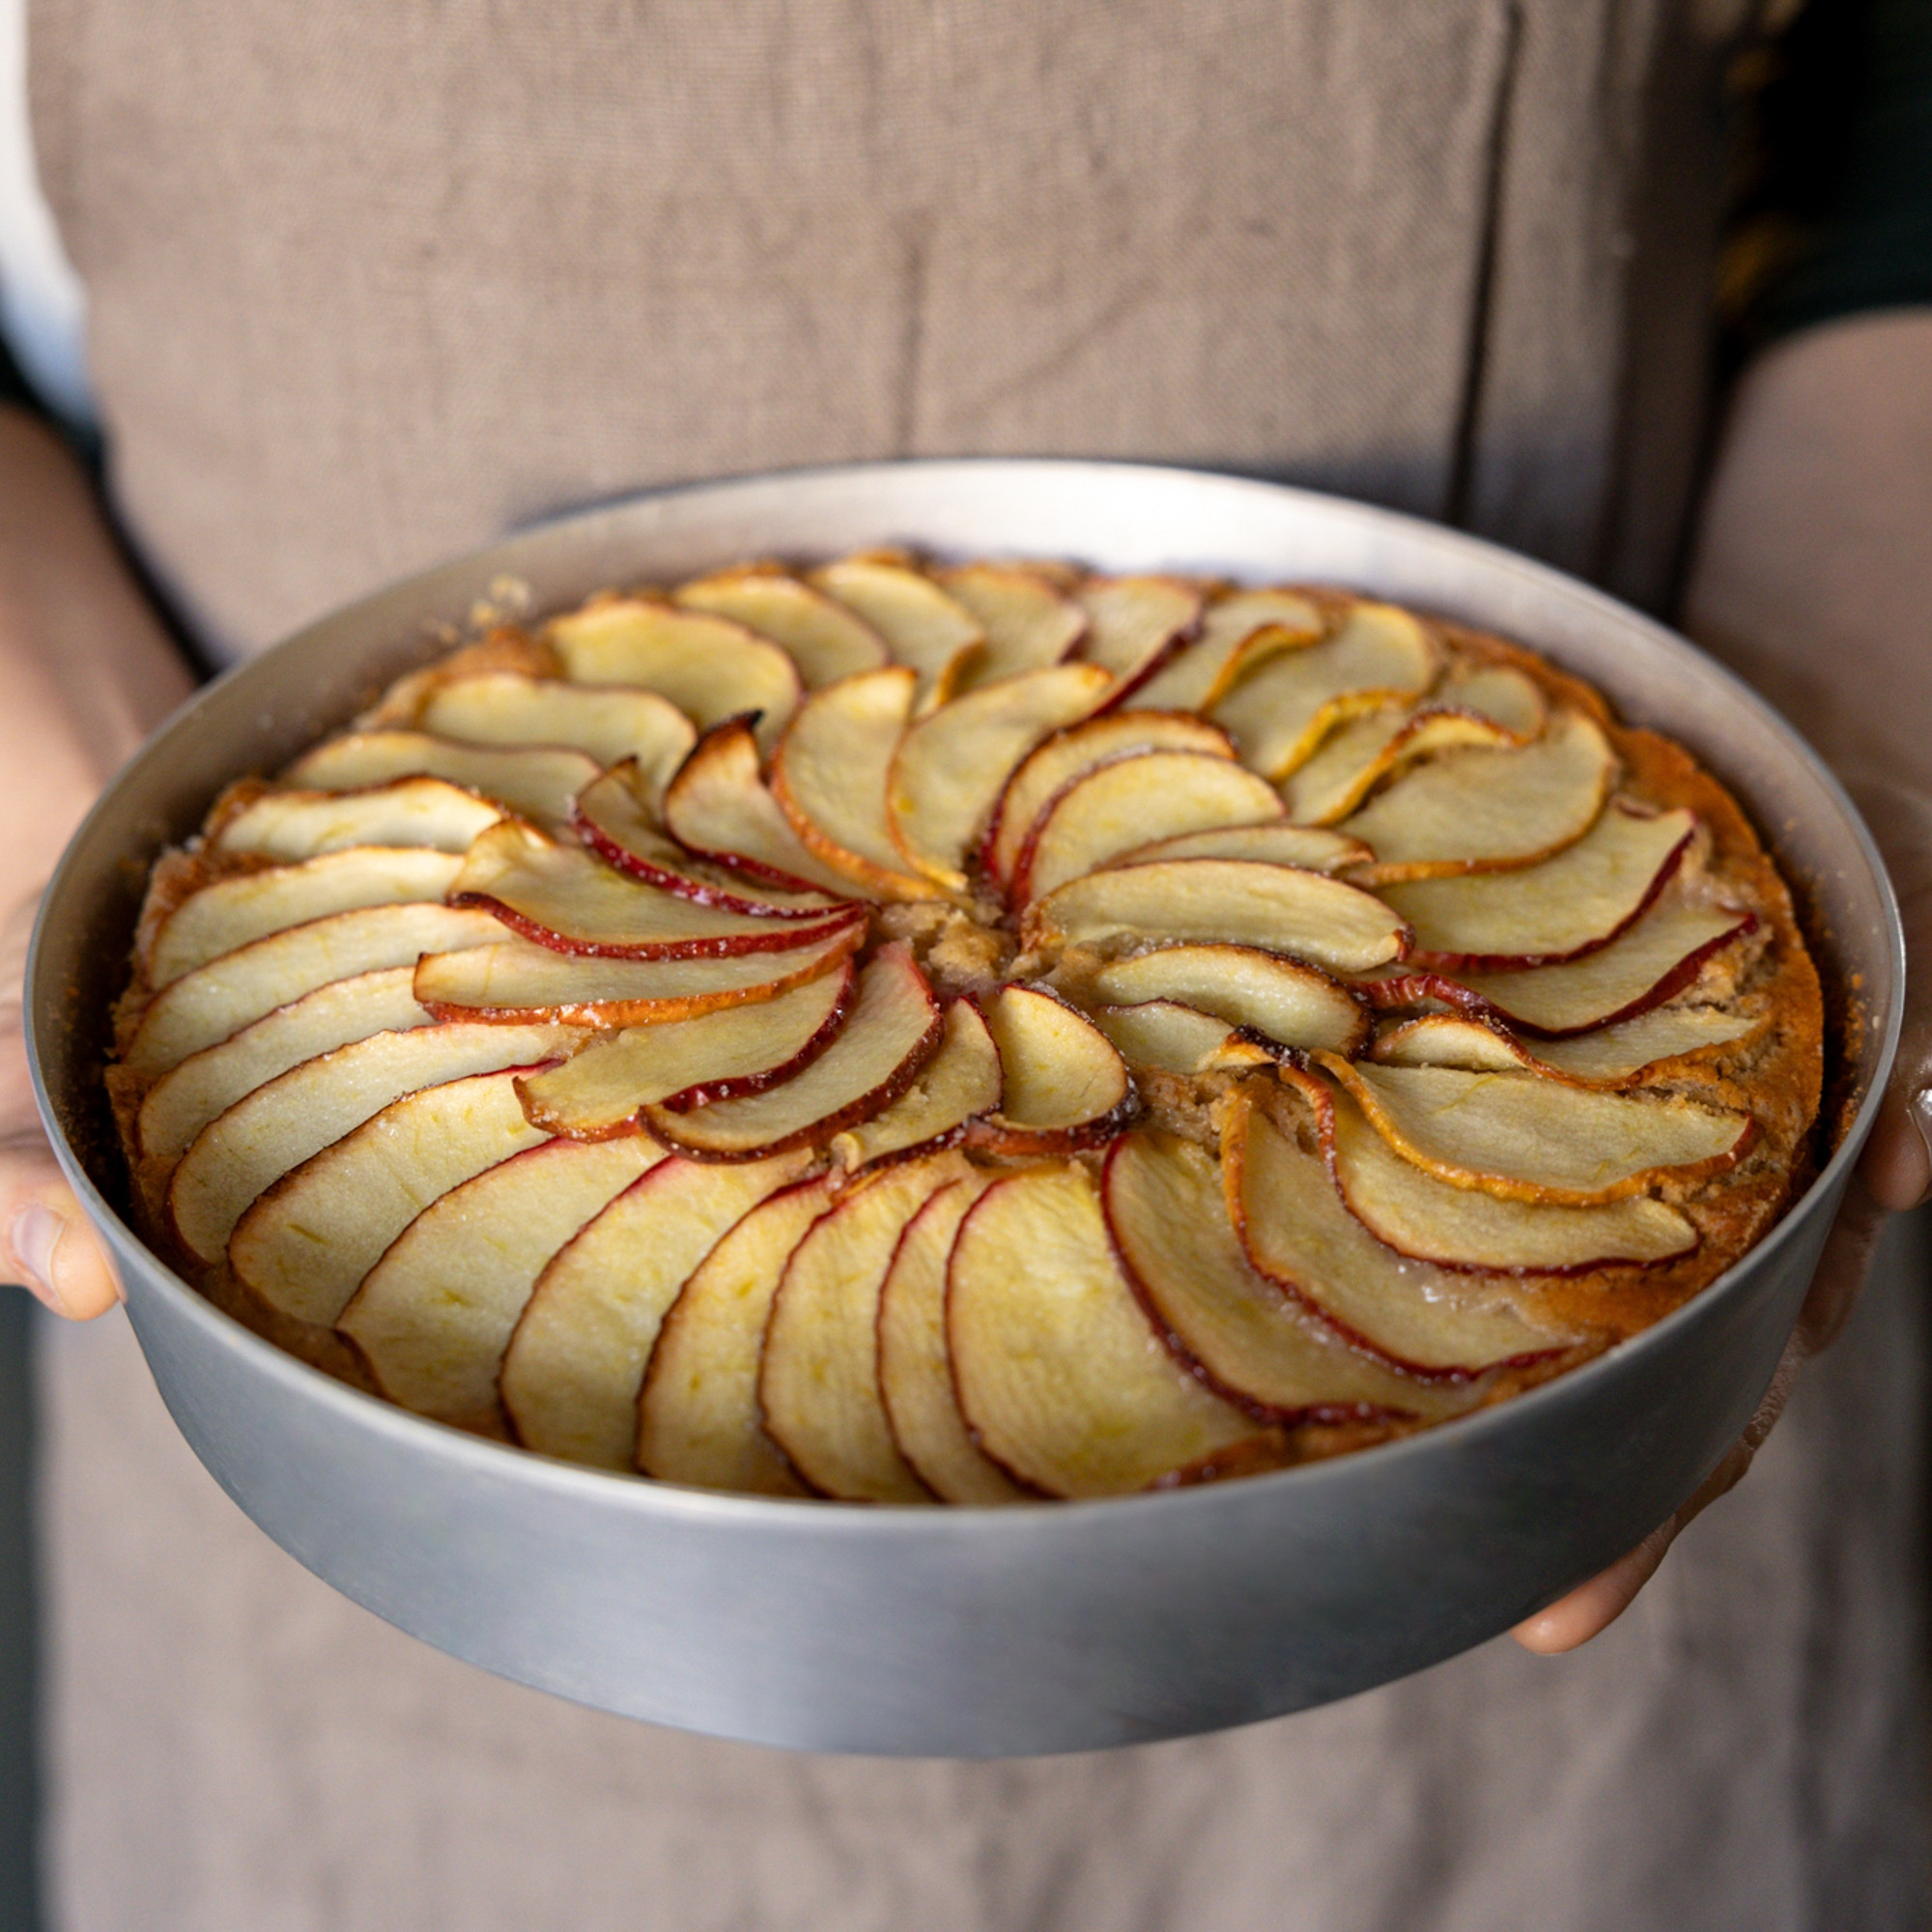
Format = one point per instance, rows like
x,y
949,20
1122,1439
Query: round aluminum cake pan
x,y
963,1632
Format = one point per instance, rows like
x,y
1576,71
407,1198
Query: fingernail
x,y
1921,1110
35,1234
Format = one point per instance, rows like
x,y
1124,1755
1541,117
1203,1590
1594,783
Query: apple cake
x,y
906,1033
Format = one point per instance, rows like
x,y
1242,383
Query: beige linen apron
x,y
372,280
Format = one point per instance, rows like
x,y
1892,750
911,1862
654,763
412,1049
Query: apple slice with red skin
x,y
1555,911
431,1317
1284,1211
818,1377
306,1242
614,818
915,1371
951,766
563,897
1165,1037
698,1412
681,1064
1029,622
235,911
1616,1056
1254,1342
1063,1084
1307,847
1135,625
1231,626
931,633
1280,999
892,1030
515,980
1225,901
576,1360
826,640
1060,1377
718,807
290,825
1131,801
710,668
1360,755
279,1126
959,1083
538,781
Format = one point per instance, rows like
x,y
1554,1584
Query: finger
x,y
50,1249
1843,1268
1896,1165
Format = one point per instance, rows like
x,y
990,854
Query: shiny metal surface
x,y
961,1632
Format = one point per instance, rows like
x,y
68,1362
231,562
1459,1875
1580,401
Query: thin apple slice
x,y
818,1378
1226,901
697,1412
1111,812
1475,810
710,668
1295,1232
1280,710
1500,693
1063,1084
288,825
1135,624
279,1126
1616,1056
830,773
934,635
1546,914
717,1056
951,766
1164,1037
1029,623
1287,1002
616,821
247,906
1260,1344
1307,846
516,981
826,640
1060,1374
915,1371
576,1360
307,1242
1523,1138
563,897
185,1098
219,999
1360,755
1196,676
959,1083
433,1316
538,781
894,1028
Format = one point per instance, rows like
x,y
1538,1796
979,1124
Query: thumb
x,y
49,1248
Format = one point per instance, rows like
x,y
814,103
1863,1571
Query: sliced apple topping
x,y
307,1242
716,1056
516,979
1133,802
1360,755
611,723
576,1360
892,1030
1060,1374
710,668
1167,1037
235,911
1266,1348
219,999
430,812
1237,629
1500,693
915,1370
1063,1084
538,781
1226,901
1612,1056
279,1126
718,807
949,769
433,1316
830,775
698,1420
1281,999
827,640
1028,621
1308,846
934,635
1280,708
959,1083
1081,747
1134,624
1475,811
818,1382
1544,914
1295,1230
